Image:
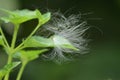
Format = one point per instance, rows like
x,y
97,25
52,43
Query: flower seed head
x,y
68,36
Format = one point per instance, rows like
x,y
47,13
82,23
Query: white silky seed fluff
x,y
70,28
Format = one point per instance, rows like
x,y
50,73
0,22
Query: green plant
x,y
57,41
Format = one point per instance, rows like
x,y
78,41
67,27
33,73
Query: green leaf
x,y
26,56
37,41
45,18
63,42
1,41
54,41
7,68
20,16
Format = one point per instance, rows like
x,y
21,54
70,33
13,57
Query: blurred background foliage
x,y
103,60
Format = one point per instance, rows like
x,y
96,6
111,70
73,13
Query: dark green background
x,y
103,60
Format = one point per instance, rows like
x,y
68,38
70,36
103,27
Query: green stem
x,y
11,49
19,47
9,61
14,36
21,71
6,42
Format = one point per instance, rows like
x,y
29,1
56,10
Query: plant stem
x,y
19,47
11,49
9,61
14,36
6,42
21,71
